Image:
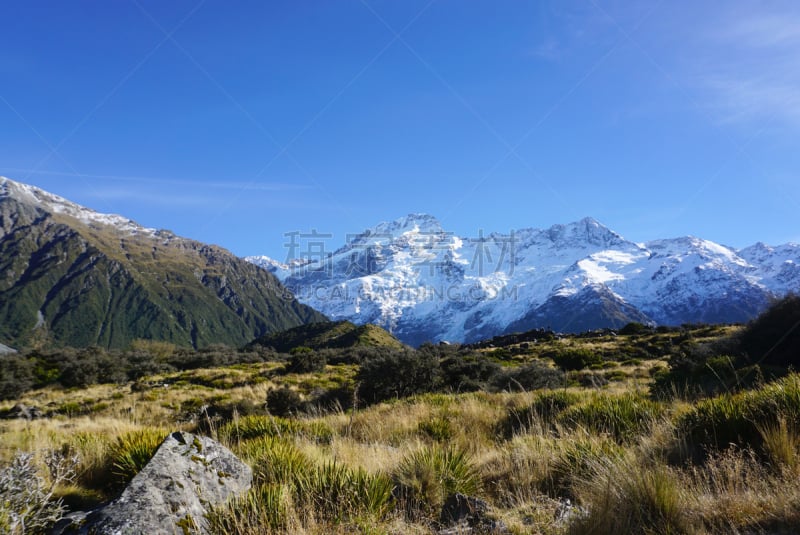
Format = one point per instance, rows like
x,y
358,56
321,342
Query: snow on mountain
x,y
779,267
38,197
423,283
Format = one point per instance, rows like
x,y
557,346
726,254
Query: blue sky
x,y
235,123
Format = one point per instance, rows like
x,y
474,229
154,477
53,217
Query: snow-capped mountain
x,y
55,204
421,282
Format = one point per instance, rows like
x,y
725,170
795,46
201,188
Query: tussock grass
x,y
624,417
726,464
425,478
131,452
740,419
629,496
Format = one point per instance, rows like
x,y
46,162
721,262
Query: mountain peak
x,y
587,230
413,222
55,204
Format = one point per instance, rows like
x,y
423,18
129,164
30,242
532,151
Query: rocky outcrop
x,y
171,495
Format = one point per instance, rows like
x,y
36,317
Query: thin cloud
x,y
766,31
548,50
751,68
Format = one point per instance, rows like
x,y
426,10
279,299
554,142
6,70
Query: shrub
x,y
467,373
576,359
306,360
427,477
774,337
16,376
397,375
532,376
27,504
284,402
635,328
767,349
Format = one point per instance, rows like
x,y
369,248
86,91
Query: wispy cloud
x,y
750,66
764,31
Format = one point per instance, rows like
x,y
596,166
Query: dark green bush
x,y
765,350
635,328
284,402
576,359
306,360
397,375
16,376
774,337
468,372
531,376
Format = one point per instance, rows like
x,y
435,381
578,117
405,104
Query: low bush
x,y
531,376
27,502
467,372
306,360
774,337
398,375
16,376
576,359
284,402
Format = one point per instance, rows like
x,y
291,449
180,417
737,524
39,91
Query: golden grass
x,y
627,487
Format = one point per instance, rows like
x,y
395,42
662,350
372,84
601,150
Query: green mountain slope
x,y
69,276
329,335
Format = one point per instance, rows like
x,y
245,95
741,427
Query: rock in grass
x,y
467,515
171,494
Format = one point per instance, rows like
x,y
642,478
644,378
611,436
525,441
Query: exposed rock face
x,y
171,494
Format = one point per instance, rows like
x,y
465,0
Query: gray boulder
x,y
187,475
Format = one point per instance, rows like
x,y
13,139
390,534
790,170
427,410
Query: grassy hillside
x,y
524,422
329,335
